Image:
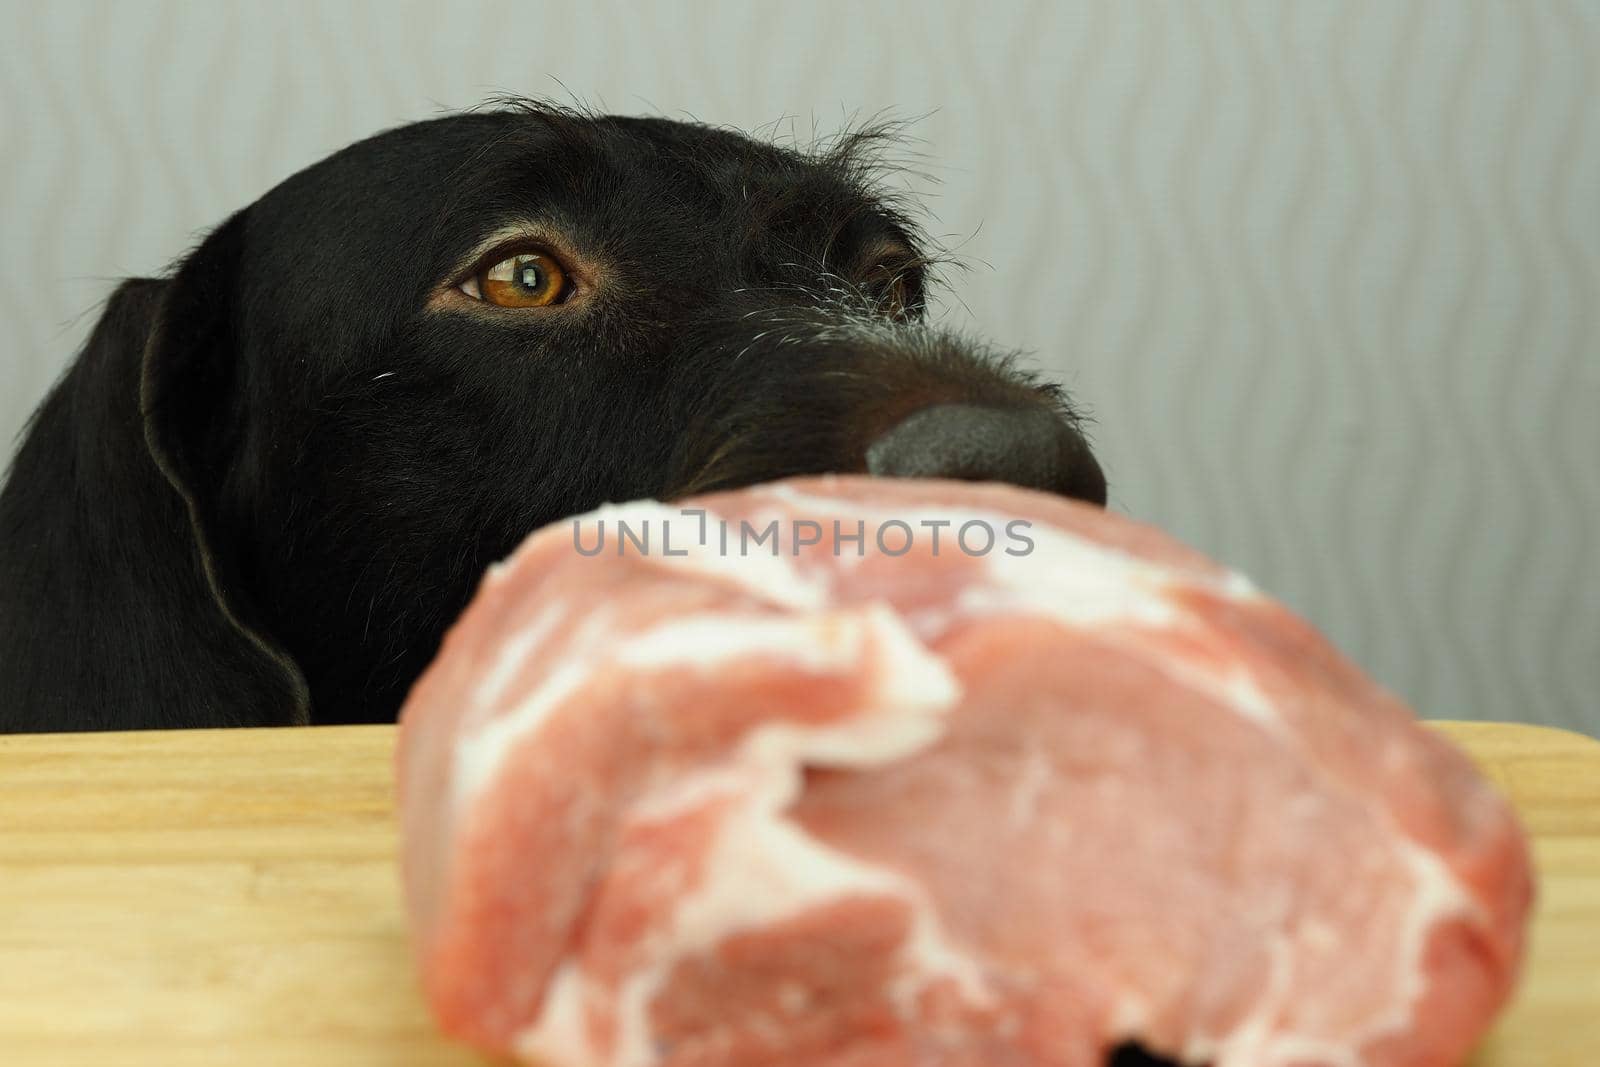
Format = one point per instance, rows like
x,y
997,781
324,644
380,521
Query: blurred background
x,y
1327,274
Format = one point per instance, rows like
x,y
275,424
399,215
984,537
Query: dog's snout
x,y
1034,449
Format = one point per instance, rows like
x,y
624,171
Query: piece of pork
x,y
835,807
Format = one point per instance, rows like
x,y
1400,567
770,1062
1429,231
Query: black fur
x,y
270,481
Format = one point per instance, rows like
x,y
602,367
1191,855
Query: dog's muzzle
x,y
1031,448
802,390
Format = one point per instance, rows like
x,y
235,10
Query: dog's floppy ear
x,y
189,401
188,371
119,602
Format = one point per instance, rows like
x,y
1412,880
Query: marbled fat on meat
x,y
938,809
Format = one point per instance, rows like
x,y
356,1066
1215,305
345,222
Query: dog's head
x,y
382,375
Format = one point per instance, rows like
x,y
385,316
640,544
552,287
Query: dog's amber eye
x,y
525,280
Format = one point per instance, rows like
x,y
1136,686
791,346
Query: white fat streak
x,y
1076,581
1253,1043
1437,895
1247,698
513,653
479,756
1249,1040
913,690
712,639
764,868
1233,687
562,1036
706,641
878,734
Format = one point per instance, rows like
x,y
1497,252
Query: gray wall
x,y
1328,273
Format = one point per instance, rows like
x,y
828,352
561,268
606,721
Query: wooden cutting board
x,y
214,898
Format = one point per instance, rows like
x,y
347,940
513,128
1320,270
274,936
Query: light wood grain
x,y
230,897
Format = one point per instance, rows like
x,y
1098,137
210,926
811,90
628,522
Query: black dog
x,y
270,481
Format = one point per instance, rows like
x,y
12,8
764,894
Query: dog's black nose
x,y
1034,449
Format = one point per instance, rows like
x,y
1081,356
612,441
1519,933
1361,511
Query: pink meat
x,y
938,809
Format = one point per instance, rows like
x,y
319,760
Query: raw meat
x,y
850,806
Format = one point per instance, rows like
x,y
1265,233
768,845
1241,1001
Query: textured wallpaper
x,y
1328,274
